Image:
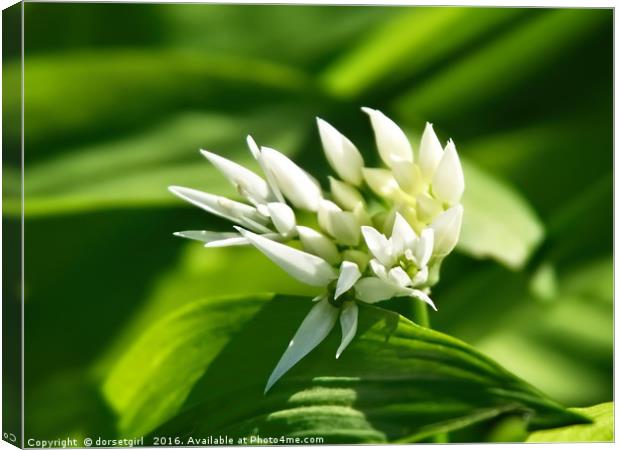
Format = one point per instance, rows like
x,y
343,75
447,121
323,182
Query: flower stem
x,y
420,314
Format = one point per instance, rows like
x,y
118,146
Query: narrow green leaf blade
x,y
146,84
136,170
409,44
501,64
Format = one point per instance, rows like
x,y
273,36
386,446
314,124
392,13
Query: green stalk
x,y
420,313
421,317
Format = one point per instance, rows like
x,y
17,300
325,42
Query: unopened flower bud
x,y
295,183
341,154
345,195
448,181
342,225
392,142
447,227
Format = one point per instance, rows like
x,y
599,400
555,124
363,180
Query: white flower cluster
x,y
414,199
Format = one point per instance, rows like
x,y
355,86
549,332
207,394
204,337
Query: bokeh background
x,y
119,98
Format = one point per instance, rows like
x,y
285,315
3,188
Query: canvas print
x,y
231,224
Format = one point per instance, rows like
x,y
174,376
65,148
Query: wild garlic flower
x,y
400,262
342,287
345,248
420,190
268,213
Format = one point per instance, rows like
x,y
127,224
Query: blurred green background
x,y
120,97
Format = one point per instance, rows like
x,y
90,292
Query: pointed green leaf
x,y
396,381
601,430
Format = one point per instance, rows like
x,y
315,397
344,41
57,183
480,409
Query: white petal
x,y
403,236
378,245
303,266
398,276
342,225
250,185
253,146
431,152
297,185
424,247
361,258
283,217
213,238
318,244
315,327
239,241
348,323
416,293
345,227
345,195
220,206
378,269
447,229
427,207
373,290
349,274
392,142
250,218
403,172
318,298
254,225
361,215
341,154
273,186
408,176
420,277
448,182
383,183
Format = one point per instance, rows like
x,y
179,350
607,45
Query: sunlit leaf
x,y
249,31
524,155
200,273
408,44
497,222
570,333
601,430
397,381
504,62
136,171
78,94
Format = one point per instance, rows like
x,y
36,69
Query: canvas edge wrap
x,y
12,236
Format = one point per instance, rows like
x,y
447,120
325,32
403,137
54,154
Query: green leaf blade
x,y
135,171
601,430
497,222
502,64
145,84
396,381
409,44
